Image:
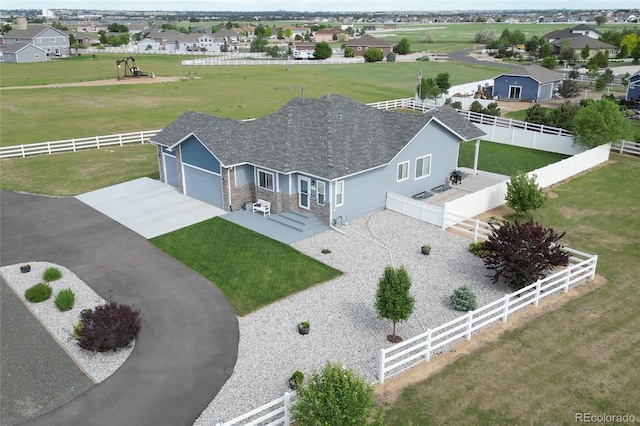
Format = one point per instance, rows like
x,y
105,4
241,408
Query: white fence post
x,y
22,150
120,138
49,147
73,144
469,324
428,344
98,142
567,279
594,262
287,406
475,230
537,298
381,366
505,310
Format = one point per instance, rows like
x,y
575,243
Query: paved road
x,y
189,340
463,56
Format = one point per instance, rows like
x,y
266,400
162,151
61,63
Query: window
x,y
321,193
403,171
423,166
39,40
53,39
265,180
339,193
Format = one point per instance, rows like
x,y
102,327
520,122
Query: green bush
x,y
65,299
479,250
38,293
51,274
463,299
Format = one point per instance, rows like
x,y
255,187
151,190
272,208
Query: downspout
x,y
229,187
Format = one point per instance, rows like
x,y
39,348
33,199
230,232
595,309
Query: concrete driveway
x,y
149,207
188,344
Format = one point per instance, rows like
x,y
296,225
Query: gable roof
x,y
31,32
540,74
585,27
17,47
367,40
330,137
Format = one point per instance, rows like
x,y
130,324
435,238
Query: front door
x,y
304,192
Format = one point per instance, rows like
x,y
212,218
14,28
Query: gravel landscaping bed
x,y
344,323
98,366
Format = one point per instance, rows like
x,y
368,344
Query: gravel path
x,y
344,323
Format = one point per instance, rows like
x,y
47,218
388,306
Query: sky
x,y
316,5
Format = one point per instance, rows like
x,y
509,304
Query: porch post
x,y
475,157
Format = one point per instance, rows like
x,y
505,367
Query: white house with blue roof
x,y
333,157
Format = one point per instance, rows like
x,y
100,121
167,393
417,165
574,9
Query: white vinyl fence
x,y
400,357
76,144
220,61
274,413
626,147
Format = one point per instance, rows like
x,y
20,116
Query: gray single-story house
x,y
333,157
532,82
633,91
20,53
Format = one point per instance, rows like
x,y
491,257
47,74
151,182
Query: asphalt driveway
x,y
188,345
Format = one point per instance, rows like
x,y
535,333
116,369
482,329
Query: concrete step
x,y
297,221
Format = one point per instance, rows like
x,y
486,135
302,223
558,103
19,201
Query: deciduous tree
x,y
524,194
403,47
600,20
393,300
522,253
598,123
322,50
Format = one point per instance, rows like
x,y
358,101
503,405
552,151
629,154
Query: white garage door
x,y
203,185
170,170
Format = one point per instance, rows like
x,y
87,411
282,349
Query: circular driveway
x,y
188,344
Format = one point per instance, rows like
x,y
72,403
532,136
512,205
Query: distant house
x,y
579,42
333,157
197,42
148,45
54,42
360,45
166,39
20,53
331,34
532,82
633,91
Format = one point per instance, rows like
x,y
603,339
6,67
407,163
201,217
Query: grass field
x,y
250,269
584,357
505,159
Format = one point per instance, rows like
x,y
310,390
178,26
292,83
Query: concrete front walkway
x,y
188,344
149,207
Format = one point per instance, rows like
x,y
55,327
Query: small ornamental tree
x,y
403,47
536,114
322,50
373,54
335,396
522,253
524,194
393,300
568,89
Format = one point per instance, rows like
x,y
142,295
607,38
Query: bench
x,y
262,206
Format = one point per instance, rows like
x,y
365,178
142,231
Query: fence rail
x,y
76,144
220,61
400,357
626,147
276,412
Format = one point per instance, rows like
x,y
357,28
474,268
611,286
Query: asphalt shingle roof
x,y
540,74
328,137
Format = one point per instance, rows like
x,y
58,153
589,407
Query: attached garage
x,y
170,169
203,185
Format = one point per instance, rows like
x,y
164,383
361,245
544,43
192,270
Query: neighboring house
x,y
303,50
633,91
333,157
20,53
229,36
166,39
85,39
331,34
196,42
532,82
578,42
54,42
360,45
148,45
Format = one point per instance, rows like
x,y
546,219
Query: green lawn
x,y
238,92
583,357
506,159
73,173
249,268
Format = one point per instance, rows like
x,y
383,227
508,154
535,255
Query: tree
x,y
393,300
599,123
549,62
349,52
635,54
373,54
568,89
545,50
573,74
391,57
492,109
280,34
524,194
322,50
600,20
335,396
532,45
442,80
476,106
258,44
268,32
429,89
562,116
585,52
403,47
485,36
600,59
522,253
567,53
536,114
259,31
288,33
629,42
